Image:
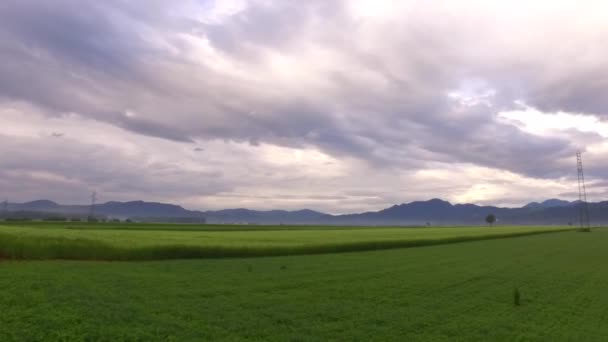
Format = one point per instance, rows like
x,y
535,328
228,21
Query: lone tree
x,y
491,219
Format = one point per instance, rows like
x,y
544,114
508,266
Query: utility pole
x,y
585,226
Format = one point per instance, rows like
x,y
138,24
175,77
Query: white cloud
x,y
537,122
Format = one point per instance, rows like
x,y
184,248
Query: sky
x,y
335,105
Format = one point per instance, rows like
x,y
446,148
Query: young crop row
x,y
13,246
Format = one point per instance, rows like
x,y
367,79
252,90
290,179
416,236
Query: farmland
x,y
461,291
155,242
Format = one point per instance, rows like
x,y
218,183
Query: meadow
x,y
35,240
450,292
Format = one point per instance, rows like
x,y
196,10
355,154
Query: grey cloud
x,y
150,128
271,25
94,58
579,93
57,167
90,34
500,146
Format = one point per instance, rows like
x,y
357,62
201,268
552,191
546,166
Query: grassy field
x,y
453,292
155,242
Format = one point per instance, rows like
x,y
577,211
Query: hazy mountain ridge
x,y
438,212
551,203
433,212
163,211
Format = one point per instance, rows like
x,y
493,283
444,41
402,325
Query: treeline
x,y
24,216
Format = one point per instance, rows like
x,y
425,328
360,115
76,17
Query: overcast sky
x,y
334,105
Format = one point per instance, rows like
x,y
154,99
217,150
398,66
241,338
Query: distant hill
x,y
153,211
40,205
551,203
432,212
269,217
439,212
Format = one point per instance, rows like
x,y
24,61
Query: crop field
x,y
450,292
155,242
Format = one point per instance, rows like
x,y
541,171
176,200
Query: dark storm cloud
x,y
382,99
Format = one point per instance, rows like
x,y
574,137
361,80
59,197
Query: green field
x,y
451,292
156,242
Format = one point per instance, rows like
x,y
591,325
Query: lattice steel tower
x,y
93,202
5,209
582,195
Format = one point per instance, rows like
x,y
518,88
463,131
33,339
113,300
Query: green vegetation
x,y
455,292
490,219
154,242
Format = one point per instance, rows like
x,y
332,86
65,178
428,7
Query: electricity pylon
x,y
582,195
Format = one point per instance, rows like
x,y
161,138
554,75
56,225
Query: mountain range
x,y
431,212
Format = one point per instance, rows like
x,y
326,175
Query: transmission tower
x,y
582,195
93,200
5,209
